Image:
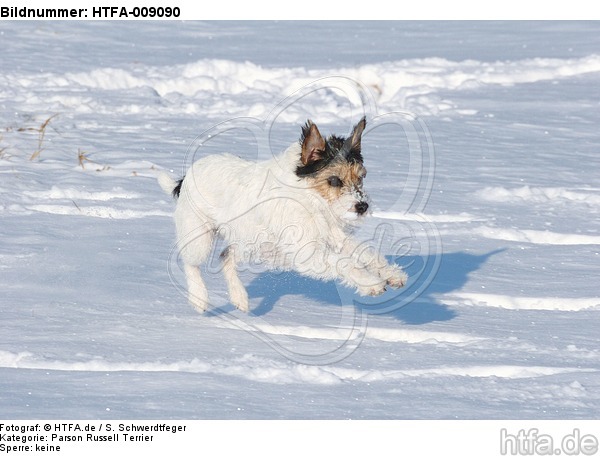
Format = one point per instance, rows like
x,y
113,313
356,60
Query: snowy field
x,y
483,152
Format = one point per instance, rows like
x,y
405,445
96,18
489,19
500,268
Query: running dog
x,y
295,211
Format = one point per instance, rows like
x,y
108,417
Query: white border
x,y
302,438
347,10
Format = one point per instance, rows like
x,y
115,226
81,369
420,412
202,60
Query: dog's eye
x,y
335,181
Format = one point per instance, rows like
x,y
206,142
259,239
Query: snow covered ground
x,y
484,172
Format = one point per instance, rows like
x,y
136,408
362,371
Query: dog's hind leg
x,y
237,292
197,292
195,238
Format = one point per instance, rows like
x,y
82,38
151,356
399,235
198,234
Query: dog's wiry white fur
x,y
266,213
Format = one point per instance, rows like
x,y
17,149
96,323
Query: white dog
x,y
292,212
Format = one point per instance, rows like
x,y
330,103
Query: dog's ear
x,y
313,144
351,149
356,135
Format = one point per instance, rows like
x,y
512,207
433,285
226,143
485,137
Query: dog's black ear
x,y
356,135
351,149
313,144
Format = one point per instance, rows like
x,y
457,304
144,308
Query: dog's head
x,y
334,168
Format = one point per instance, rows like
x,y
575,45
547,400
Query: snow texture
x,y
483,161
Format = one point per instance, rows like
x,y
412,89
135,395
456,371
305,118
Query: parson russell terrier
x,y
294,211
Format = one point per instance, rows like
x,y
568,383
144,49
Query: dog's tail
x,y
169,185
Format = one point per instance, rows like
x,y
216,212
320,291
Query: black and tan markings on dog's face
x,y
334,166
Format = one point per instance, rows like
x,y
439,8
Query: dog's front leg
x,y
355,274
375,263
323,262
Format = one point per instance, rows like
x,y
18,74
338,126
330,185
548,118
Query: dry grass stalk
x,y
82,158
41,134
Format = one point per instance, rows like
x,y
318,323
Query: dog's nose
x,y
361,207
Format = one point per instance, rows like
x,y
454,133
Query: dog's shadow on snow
x,y
415,304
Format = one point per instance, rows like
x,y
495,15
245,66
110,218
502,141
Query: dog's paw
x,y
243,306
375,291
395,277
239,298
397,280
198,305
372,290
198,297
